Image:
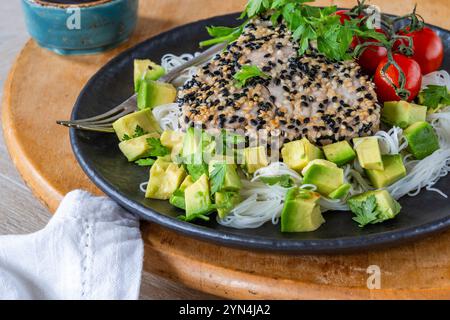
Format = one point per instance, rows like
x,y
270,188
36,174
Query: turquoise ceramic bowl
x,y
85,28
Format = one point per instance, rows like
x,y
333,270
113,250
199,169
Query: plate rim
x,y
306,246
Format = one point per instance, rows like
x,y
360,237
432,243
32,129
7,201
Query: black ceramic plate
x,y
100,158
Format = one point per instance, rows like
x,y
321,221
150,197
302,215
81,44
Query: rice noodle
x,y
277,169
439,78
168,116
262,203
171,61
393,141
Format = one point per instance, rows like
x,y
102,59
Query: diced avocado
x,y
226,201
126,126
301,211
165,178
422,139
369,153
194,142
385,208
146,69
137,148
198,201
152,93
325,175
340,192
393,171
297,154
255,158
177,199
173,140
232,181
339,152
402,113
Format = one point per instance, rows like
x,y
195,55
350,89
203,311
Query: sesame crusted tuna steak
x,y
305,96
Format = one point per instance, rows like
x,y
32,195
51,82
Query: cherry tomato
x,y
371,57
413,75
343,14
428,49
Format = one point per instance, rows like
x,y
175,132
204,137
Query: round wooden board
x,y
42,87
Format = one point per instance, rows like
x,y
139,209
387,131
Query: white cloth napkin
x,y
91,249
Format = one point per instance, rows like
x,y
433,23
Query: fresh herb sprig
x,y
248,72
435,96
138,132
156,148
366,211
222,34
147,162
307,24
217,177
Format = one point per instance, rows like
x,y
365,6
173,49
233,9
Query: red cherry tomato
x,y
343,14
413,75
428,49
371,57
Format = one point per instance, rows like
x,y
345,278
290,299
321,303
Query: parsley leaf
x,y
246,73
366,211
255,7
197,170
434,95
307,24
138,132
217,177
156,148
222,34
148,162
284,181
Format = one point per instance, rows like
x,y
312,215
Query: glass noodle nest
x,y
263,203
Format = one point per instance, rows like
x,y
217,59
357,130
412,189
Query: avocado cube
x,y
422,139
340,152
165,178
198,198
393,171
232,181
225,202
301,211
402,113
126,126
137,148
152,94
195,143
146,69
177,199
173,140
340,192
325,175
255,158
386,206
369,153
297,154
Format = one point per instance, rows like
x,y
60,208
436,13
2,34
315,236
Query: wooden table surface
x,y
21,213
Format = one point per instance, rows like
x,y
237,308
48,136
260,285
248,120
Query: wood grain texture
x,y
43,83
